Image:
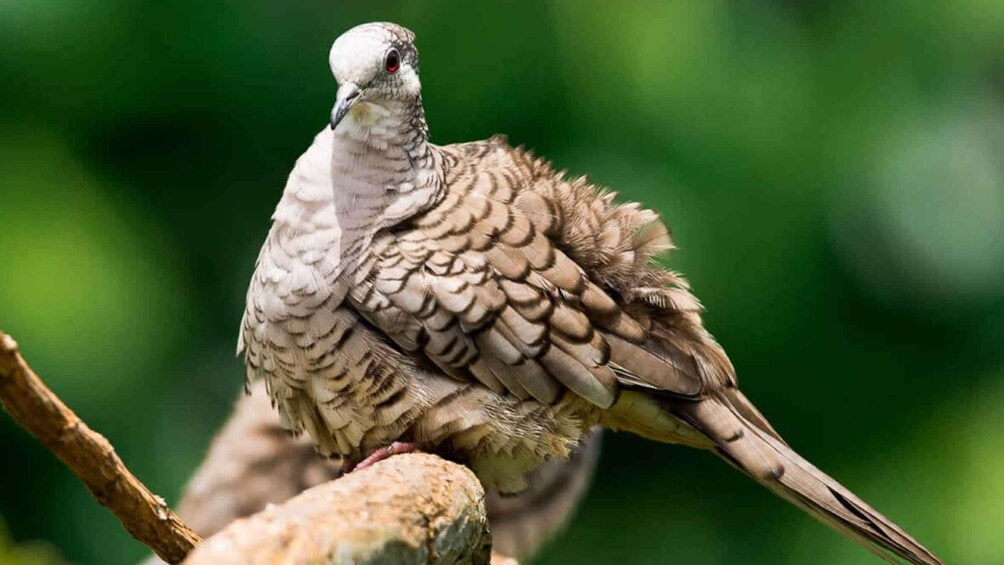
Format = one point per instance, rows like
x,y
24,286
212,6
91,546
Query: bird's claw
x,y
395,448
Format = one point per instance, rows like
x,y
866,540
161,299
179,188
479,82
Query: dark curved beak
x,y
348,95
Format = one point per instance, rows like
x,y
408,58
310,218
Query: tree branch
x,y
89,455
414,508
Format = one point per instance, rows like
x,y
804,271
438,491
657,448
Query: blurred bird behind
x,y
830,171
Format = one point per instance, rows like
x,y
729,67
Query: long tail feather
x,y
730,420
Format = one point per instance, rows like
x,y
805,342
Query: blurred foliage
x,y
26,553
832,172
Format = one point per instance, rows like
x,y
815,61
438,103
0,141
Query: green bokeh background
x,y
833,173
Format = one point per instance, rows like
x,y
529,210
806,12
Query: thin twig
x,y
89,455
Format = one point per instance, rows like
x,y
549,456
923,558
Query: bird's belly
x,y
350,408
498,435
328,375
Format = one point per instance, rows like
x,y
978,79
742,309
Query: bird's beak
x,y
348,95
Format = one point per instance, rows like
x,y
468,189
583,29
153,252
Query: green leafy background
x,y
832,172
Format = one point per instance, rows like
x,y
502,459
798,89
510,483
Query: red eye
x,y
393,62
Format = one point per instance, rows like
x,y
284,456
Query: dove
x,y
470,301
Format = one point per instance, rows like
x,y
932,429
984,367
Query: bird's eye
x,y
393,62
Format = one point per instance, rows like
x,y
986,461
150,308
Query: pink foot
x,y
381,454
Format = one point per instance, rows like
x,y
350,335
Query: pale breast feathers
x,y
328,373
534,284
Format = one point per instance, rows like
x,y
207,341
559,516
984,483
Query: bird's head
x,y
376,66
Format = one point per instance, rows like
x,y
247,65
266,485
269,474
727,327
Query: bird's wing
x,y
495,283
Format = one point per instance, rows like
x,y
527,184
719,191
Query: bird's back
x,y
597,257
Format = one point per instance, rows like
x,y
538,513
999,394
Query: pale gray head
x,y
376,66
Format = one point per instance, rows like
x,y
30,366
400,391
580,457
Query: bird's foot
x,y
379,455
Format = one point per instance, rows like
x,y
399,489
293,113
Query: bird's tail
x,y
743,437
732,427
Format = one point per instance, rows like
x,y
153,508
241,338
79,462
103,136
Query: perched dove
x,y
470,301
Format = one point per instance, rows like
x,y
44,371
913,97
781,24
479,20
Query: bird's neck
x,y
383,170
353,182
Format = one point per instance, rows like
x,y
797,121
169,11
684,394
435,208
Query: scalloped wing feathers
x,y
533,285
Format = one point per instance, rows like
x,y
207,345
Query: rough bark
x,y
414,508
91,457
